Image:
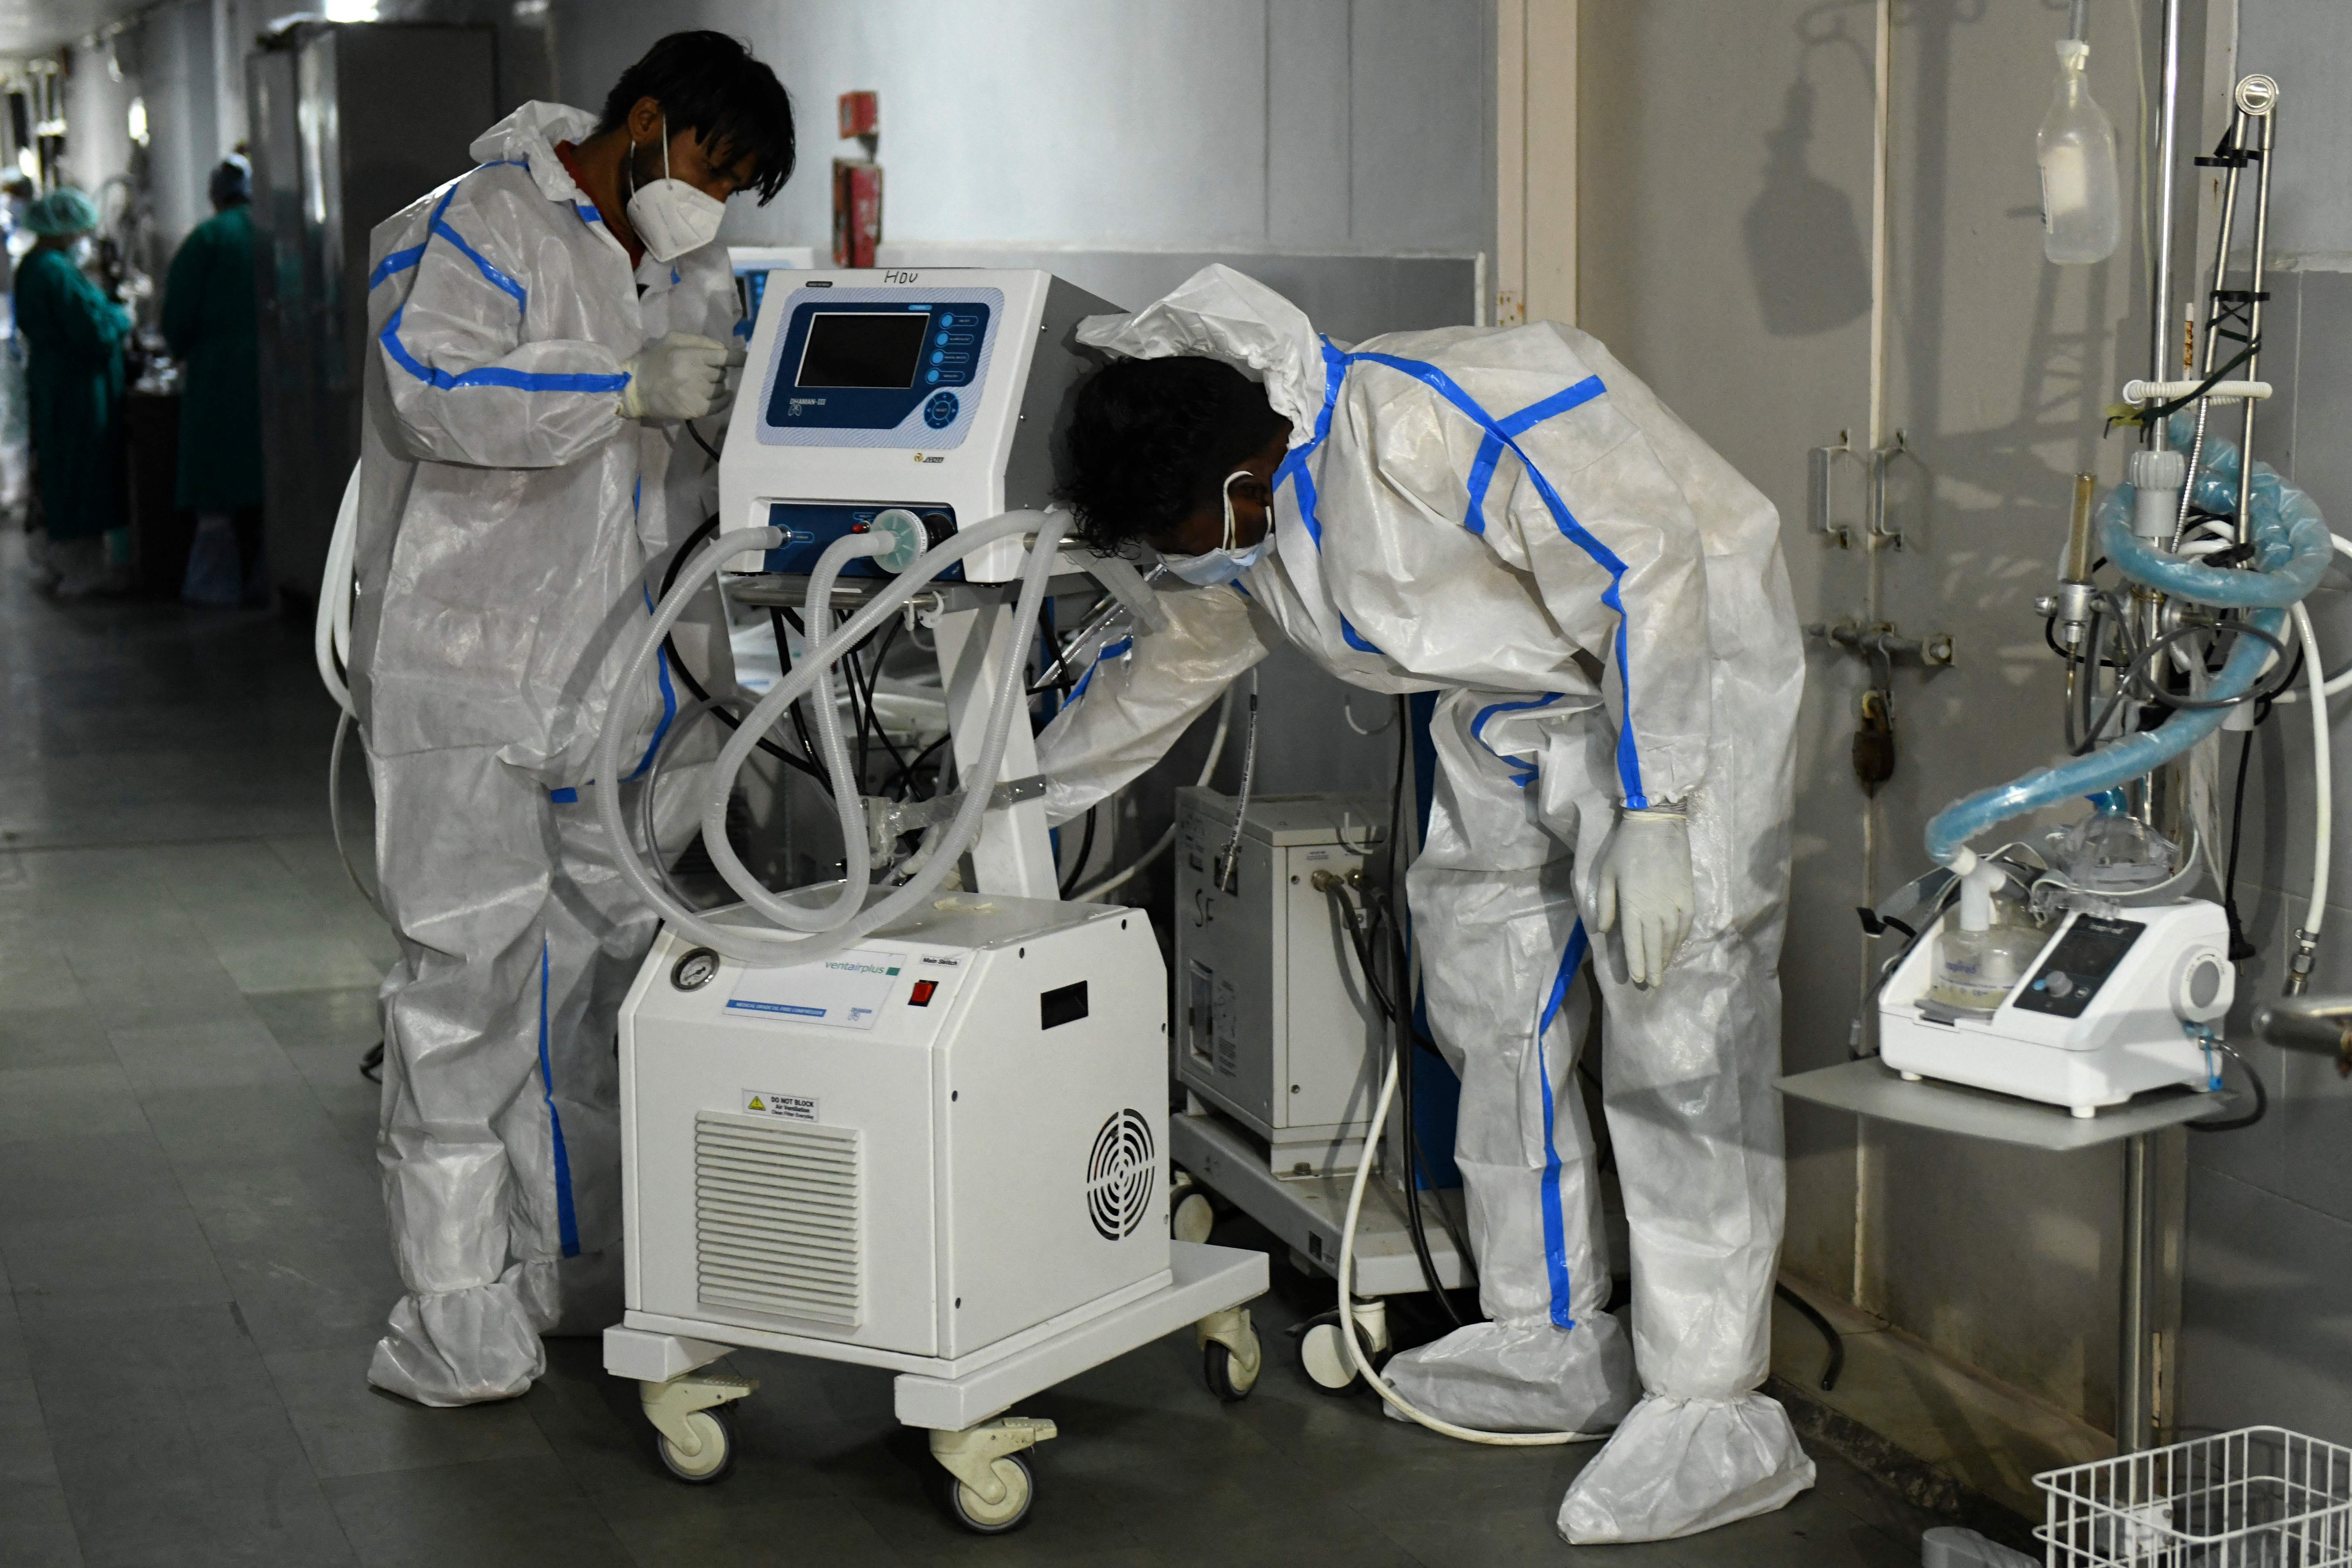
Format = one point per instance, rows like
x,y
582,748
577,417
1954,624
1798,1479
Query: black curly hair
x,y
1150,439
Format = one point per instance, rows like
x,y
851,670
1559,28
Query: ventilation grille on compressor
x,y
776,1218
1121,1175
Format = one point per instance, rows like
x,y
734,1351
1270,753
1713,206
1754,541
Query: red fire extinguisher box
x,y
861,114
857,211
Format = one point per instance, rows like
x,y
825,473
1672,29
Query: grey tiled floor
x,y
192,1264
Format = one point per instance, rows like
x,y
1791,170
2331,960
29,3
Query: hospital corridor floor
x,y
192,1264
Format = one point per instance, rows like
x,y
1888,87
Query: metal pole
x,y
2159,305
2158,800
2135,1415
2237,143
2252,91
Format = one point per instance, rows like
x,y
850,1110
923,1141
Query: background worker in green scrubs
x,y
208,320
73,339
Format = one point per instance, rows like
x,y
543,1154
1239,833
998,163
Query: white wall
x,y
167,61
176,78
97,133
2307,46
1355,125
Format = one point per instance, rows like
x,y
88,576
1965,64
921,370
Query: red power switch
x,y
922,996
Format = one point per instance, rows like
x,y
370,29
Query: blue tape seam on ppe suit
x,y
520,380
1521,770
399,261
1500,434
2294,547
1554,1224
1119,649
567,1223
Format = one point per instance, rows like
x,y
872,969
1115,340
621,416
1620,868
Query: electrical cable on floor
x,y
1812,1314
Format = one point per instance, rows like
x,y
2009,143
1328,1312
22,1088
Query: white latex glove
x,y
1644,880
676,376
730,379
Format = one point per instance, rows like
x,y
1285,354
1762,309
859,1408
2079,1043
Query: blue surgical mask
x,y
1223,565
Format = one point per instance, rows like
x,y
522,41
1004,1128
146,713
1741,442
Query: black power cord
x,y
2240,949
1355,922
2262,1097
1086,848
1812,1314
806,764
809,763
1396,907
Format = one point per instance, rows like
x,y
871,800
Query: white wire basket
x,y
2260,1497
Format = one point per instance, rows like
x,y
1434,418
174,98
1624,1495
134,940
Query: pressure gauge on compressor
x,y
694,972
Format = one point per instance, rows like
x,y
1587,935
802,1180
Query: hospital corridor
x,y
195,1239
1421,782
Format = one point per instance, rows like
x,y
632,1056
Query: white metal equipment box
x,y
950,1140
1275,1026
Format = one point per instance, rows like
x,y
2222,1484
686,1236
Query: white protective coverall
x,y
511,523
1510,517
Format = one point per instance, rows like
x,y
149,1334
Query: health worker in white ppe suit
x,y
1509,517
542,328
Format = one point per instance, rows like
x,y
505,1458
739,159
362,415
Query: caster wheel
x,y
716,1458
1194,1218
966,1507
1323,1355
1224,1375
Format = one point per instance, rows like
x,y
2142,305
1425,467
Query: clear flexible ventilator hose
x,y
836,926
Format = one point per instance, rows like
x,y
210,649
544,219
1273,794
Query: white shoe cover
x,y
1677,1466
469,1347
1521,1377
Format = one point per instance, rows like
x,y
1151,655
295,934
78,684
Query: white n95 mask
x,y
1223,565
671,217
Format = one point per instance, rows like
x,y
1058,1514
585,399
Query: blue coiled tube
x,y
2286,574
2292,547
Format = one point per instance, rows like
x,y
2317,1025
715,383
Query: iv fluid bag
x,y
2081,203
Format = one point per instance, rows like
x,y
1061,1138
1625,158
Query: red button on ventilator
x,y
923,996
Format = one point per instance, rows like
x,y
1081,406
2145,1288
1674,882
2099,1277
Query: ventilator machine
x,y
891,1119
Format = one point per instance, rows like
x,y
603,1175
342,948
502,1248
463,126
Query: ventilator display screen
x,y
872,349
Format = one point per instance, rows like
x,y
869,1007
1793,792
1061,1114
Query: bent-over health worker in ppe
x,y
1510,518
544,327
